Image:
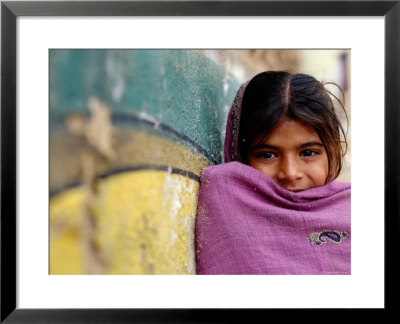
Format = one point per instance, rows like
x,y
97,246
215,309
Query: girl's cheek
x,y
319,175
265,168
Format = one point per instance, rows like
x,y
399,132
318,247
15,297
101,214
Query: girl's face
x,y
292,155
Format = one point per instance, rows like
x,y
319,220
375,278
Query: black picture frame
x,y
10,10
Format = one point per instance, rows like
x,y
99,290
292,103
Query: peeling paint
x,y
99,130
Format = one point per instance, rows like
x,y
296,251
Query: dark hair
x,y
272,96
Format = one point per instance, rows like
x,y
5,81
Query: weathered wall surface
x,y
130,131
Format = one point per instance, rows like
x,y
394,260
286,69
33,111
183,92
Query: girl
x,y
274,207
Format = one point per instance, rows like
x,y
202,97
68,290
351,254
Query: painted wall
x,y
130,131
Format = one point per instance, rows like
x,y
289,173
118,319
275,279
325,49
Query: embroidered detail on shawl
x,y
326,236
236,121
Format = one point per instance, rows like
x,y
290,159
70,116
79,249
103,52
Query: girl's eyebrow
x,y
312,143
263,146
273,147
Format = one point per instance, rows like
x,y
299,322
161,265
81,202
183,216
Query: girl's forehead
x,y
292,125
289,128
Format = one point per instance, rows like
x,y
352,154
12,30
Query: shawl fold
x,y
250,225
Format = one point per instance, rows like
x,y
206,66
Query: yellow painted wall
x,y
144,225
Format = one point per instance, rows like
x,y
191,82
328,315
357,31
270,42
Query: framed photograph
x,y
111,110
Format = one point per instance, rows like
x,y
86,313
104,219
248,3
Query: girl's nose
x,y
289,170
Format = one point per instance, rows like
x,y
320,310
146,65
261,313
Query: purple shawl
x,y
247,224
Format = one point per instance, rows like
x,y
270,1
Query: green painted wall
x,y
182,89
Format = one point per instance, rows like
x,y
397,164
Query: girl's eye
x,y
266,155
308,153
